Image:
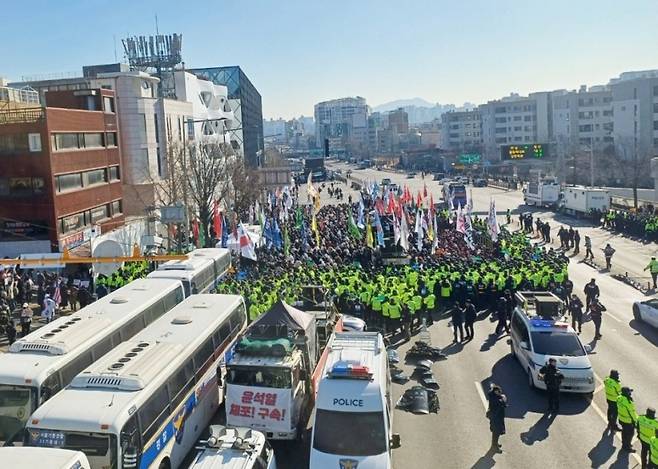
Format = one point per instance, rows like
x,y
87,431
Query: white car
x,y
646,311
534,341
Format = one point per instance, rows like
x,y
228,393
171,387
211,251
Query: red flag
x,y
217,221
195,230
424,190
391,202
419,200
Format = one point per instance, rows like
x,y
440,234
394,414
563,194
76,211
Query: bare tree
x,y
635,164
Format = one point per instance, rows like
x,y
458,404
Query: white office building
x,y
344,122
461,131
515,120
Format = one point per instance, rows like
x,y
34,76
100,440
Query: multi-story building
x,y
344,122
398,121
635,113
246,128
582,118
151,127
461,131
60,172
515,120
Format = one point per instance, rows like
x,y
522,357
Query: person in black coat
x,y
501,315
457,319
576,310
470,316
552,377
496,415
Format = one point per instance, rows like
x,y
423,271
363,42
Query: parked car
x,y
646,311
480,182
411,175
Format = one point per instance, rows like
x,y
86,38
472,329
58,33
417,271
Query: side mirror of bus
x,y
219,377
395,440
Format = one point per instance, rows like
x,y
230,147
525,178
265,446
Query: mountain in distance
x,y
393,105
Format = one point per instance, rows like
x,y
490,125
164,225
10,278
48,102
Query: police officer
x,y
647,425
457,318
627,417
596,311
552,377
470,316
612,392
653,268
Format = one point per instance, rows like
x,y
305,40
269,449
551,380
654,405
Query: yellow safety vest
x,y
626,410
394,311
647,428
430,301
612,389
386,309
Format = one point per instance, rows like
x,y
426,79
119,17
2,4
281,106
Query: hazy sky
x,y
300,52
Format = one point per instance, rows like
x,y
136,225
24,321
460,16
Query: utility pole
x,y
591,164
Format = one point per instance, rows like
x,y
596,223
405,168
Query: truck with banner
x,y
270,374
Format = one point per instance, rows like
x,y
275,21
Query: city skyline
x,y
299,54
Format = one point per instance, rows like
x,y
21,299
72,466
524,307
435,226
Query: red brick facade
x,y
77,144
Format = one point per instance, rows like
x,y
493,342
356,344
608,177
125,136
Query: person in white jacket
x,y
48,308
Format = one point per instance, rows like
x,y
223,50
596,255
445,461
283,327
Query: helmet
x,y
626,391
651,412
614,374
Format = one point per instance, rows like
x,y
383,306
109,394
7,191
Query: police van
x,y
234,448
539,332
352,423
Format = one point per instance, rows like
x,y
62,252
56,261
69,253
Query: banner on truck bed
x,y
259,408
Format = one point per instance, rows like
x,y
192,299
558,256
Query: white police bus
x,y
201,272
42,363
146,403
353,414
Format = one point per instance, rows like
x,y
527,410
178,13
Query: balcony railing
x,y
22,116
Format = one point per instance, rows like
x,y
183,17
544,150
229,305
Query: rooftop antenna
x,y
114,41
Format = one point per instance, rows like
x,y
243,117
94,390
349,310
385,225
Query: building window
x,y
517,118
71,223
585,128
116,208
500,110
67,182
99,213
518,139
13,143
23,187
97,176
34,142
108,104
67,141
93,140
500,120
114,173
501,140
157,130
607,113
517,128
111,139
501,130
655,125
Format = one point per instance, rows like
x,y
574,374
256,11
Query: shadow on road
x,y
508,374
485,462
603,450
645,330
539,431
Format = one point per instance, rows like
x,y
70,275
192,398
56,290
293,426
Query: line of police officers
x,y
621,407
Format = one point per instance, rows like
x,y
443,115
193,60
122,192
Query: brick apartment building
x,y
60,176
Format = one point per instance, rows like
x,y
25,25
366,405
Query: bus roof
x,y
107,391
44,458
31,358
195,259
362,350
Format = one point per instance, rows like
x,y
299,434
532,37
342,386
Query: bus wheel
x,y
165,464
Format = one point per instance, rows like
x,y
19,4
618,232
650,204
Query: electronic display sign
x,y
524,152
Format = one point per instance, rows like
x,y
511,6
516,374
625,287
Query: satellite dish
x,y
107,248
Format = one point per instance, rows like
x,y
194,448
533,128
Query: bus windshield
x,y
16,404
100,448
349,433
261,377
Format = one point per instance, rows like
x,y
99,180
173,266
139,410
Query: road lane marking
x,y
604,417
483,398
613,317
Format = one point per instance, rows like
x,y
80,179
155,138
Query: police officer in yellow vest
x,y
612,392
627,417
647,425
653,446
653,268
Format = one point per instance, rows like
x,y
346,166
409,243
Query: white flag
x,y
492,222
419,230
246,244
404,232
396,229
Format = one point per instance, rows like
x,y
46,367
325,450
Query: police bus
x,y
201,272
353,415
146,402
38,365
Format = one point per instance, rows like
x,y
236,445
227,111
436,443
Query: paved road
x,y
458,436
